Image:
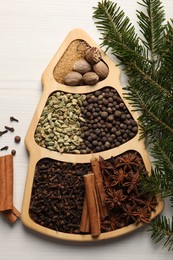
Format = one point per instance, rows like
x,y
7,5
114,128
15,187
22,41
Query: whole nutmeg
x,y
82,66
73,78
101,69
92,55
90,78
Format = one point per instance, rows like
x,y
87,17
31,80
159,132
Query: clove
x,y
11,129
4,148
3,132
13,119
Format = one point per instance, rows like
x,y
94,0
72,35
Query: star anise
x,y
133,180
116,221
118,177
128,213
149,202
128,161
115,198
142,215
105,225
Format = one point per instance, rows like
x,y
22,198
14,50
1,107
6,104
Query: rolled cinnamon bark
x,y
11,215
6,182
99,187
92,203
85,223
6,189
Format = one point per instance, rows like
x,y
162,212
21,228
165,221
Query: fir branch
x,y
162,229
163,149
117,32
152,28
165,73
157,116
157,183
150,89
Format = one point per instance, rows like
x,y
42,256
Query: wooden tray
x,y
36,152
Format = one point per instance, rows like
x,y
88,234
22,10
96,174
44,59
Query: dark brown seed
x,y
113,130
104,114
98,149
132,122
107,145
110,118
97,131
109,125
17,139
117,113
94,142
105,102
13,152
109,110
134,129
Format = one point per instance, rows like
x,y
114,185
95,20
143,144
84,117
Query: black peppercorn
x,y
104,114
110,118
107,145
13,152
17,139
117,113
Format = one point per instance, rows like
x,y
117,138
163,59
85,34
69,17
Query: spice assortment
x,y
86,68
57,194
86,158
85,123
59,189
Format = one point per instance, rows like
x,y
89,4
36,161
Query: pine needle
x,y
148,63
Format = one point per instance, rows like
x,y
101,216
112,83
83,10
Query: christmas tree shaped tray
x,y
82,118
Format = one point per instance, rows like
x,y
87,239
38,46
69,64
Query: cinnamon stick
x,y
6,189
6,182
92,203
85,223
11,215
99,187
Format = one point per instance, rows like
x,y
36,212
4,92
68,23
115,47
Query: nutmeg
x,y
90,78
82,66
73,78
101,69
92,55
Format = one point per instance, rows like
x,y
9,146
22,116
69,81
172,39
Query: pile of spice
x,y
85,123
126,203
57,195
74,52
60,189
80,65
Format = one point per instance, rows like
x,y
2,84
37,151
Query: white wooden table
x,y
30,34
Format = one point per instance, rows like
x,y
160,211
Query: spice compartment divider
x,y
37,152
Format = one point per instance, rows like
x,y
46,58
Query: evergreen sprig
x,y
148,63
162,228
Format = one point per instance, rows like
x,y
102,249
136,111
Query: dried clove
x,y
13,119
4,148
57,195
11,129
3,132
